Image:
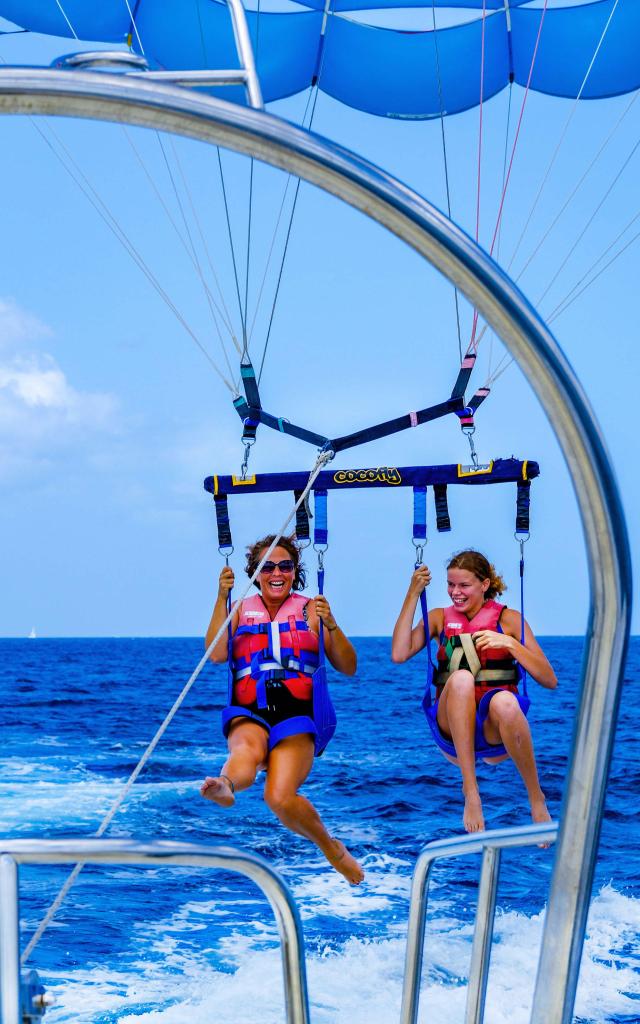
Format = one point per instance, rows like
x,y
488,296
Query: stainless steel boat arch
x,y
409,216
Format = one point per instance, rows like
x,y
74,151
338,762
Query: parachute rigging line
x,y
133,23
320,462
189,253
194,252
576,188
472,347
492,378
79,177
277,225
590,220
227,316
570,298
233,251
64,15
248,258
446,162
315,94
484,22
557,149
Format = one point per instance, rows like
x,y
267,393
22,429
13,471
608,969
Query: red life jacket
x,y
264,649
495,669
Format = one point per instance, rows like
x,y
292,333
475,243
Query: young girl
x,y
478,711
270,722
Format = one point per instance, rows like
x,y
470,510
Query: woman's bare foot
x,y
473,818
540,814
343,862
219,791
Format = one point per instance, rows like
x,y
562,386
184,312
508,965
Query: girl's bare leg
x,y
289,765
248,749
506,724
457,718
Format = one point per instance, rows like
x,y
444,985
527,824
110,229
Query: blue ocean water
x,y
168,945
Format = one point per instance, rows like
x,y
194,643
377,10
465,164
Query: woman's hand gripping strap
x,y
320,545
419,538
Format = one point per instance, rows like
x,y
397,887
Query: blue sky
x,y
110,416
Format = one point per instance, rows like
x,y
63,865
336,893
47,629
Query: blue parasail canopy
x,y
386,71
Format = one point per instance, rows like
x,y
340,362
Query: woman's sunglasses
x,y
286,565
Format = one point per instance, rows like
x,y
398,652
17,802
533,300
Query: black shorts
x,y
281,705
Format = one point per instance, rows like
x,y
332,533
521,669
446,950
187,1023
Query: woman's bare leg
x,y
248,749
289,765
457,718
507,724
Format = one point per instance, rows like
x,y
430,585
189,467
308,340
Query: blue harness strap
x,y
324,714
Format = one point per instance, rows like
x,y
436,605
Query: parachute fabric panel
x,y
184,34
384,71
107,21
567,45
408,88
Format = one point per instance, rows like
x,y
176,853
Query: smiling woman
x,y
275,647
485,650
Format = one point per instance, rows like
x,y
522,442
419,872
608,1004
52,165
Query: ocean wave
x,y
353,982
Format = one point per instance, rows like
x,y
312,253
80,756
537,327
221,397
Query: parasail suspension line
x,y
576,188
557,149
233,251
589,222
135,27
79,177
473,347
195,260
574,293
64,15
171,219
322,459
444,155
314,86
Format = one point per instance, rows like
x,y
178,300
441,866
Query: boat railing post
x,y
490,845
482,936
119,851
415,938
9,942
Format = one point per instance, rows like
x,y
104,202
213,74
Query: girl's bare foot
x,y
343,862
540,814
473,818
219,791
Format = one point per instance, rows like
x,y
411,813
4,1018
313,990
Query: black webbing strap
x,y
443,522
277,423
465,371
250,383
302,518
433,412
222,521
479,397
523,502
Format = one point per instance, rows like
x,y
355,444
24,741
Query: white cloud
x,y
18,326
41,413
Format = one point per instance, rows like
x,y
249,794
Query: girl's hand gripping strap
x,y
427,638
523,674
321,659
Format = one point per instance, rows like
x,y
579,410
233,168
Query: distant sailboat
x,y
32,634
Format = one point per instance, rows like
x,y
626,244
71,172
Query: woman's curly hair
x,y
254,554
481,567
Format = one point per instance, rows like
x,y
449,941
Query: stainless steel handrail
x,y
502,305
125,851
489,844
